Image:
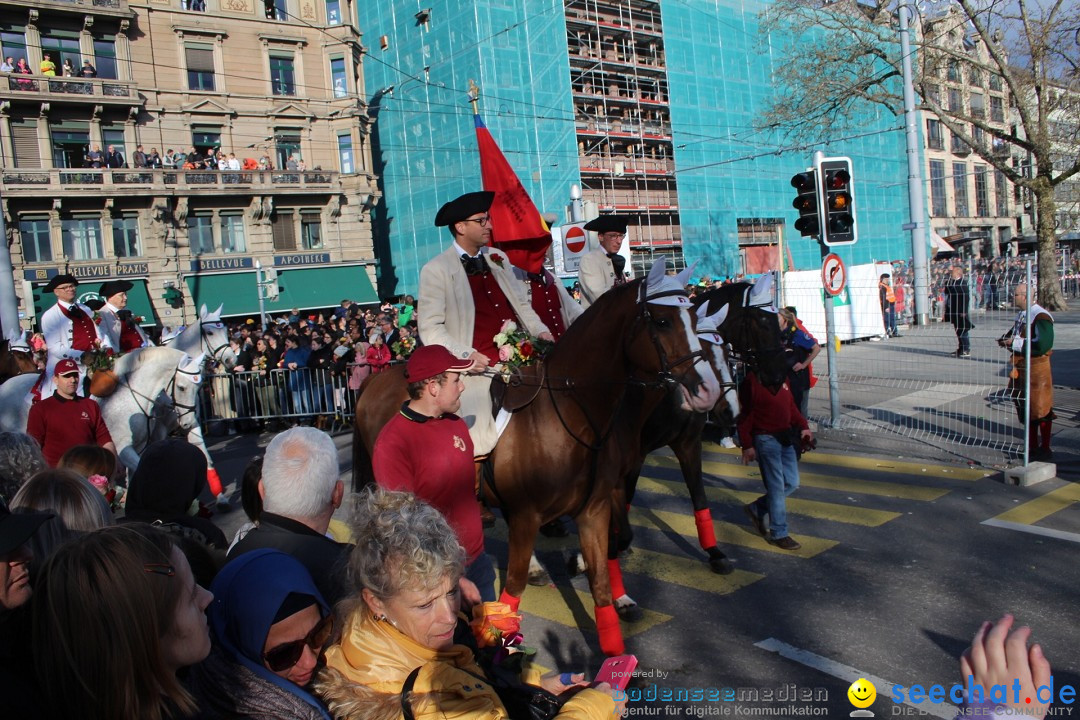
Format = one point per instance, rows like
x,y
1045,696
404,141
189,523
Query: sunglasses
x,y
288,654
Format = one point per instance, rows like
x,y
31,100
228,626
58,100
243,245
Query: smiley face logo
x,y
862,693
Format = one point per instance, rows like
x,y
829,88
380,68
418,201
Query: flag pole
x,y
474,96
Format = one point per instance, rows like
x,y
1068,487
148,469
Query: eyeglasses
x,y
288,654
481,221
65,287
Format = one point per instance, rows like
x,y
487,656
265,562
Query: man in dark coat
x,y
957,302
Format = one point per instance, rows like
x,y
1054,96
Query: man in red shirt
x,y
65,420
767,432
426,450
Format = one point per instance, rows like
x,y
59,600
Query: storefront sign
x,y
302,259
99,271
235,263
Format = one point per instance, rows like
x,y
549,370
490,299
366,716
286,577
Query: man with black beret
x,y
467,293
118,327
603,268
69,329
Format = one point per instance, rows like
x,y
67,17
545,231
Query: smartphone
x,y
617,671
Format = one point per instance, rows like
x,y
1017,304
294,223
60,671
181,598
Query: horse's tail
x,y
363,475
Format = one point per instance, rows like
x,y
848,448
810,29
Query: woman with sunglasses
x,y
268,624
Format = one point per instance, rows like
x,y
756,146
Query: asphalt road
x,y
898,569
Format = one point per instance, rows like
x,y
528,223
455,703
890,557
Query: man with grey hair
x,y
300,490
20,459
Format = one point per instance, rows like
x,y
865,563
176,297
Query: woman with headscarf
x,y
268,626
165,487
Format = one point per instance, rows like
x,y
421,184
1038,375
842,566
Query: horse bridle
x,y
665,376
206,342
750,356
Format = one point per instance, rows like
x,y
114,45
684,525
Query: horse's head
x,y
19,357
715,350
215,338
663,342
185,390
751,327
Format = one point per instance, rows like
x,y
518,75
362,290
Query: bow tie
x,y
474,265
538,277
618,262
75,312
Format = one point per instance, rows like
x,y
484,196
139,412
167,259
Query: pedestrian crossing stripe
x,y
856,462
853,515
726,533
1042,507
814,480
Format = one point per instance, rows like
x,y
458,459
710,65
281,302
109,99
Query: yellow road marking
x,y
1035,510
836,512
726,533
874,464
825,482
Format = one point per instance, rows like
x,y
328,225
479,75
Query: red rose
x,y
97,320
109,352
526,349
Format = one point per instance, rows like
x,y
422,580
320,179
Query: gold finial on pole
x,y
474,96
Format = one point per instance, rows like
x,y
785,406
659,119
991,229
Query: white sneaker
x,y
876,338
727,442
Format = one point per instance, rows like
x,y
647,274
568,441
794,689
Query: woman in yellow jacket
x,y
408,563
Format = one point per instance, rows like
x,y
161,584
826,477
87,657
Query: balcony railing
x,y
75,88
139,180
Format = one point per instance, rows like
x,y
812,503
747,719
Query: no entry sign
x,y
574,239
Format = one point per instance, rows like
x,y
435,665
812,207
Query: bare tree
x,y
845,59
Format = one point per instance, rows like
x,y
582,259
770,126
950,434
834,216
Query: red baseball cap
x,y
431,360
66,367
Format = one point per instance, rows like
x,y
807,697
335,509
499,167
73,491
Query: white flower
x,y
508,327
500,339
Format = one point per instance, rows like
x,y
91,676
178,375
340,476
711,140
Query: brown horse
x,y
14,360
562,454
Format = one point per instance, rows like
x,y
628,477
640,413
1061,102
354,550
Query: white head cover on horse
x,y
663,289
17,341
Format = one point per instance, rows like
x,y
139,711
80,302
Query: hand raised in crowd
x,y
999,656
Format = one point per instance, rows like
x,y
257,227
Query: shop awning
x,y
303,288
138,298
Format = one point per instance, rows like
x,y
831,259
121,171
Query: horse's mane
x,y
596,320
725,294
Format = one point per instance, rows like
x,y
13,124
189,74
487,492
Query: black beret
x,y
608,223
460,208
59,280
112,287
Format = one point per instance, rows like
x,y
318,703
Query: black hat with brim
x,y
460,208
112,287
16,528
95,304
608,223
58,280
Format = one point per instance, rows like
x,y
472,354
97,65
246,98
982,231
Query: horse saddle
x,y
519,389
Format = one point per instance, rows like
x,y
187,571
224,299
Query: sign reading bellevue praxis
x,y
237,263
90,272
302,259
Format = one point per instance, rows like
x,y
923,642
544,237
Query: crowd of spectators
x,y
47,68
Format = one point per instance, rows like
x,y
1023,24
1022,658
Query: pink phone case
x,y
617,671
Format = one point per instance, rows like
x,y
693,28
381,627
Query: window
x,y
206,137
333,12
288,146
60,45
13,43
978,108
997,109
974,77
232,233
276,9
338,78
978,136
282,74
344,144
959,146
82,238
115,136
1001,194
36,241
311,230
982,197
960,193
937,188
954,71
125,234
283,231
201,234
956,103
995,83
70,143
104,57
934,138
200,65
933,92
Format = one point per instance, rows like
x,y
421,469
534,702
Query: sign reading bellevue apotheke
x,y
91,272
302,259
233,263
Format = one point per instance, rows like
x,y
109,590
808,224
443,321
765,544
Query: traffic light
x,y
173,297
806,202
836,188
270,282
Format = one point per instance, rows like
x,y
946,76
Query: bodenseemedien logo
x,y
862,694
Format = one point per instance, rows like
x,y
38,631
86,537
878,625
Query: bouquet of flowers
x,y
404,347
114,495
99,357
497,630
518,348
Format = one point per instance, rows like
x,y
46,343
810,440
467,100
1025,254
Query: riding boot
x,y
1045,427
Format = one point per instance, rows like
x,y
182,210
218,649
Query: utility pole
x,y
259,286
9,304
917,223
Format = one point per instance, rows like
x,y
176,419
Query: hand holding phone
x,y
616,671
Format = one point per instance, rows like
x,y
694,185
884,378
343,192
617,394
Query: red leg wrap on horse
x,y
607,625
1045,427
706,535
510,600
214,481
615,573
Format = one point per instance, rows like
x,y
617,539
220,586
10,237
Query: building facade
x,y
277,82
651,107
971,204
